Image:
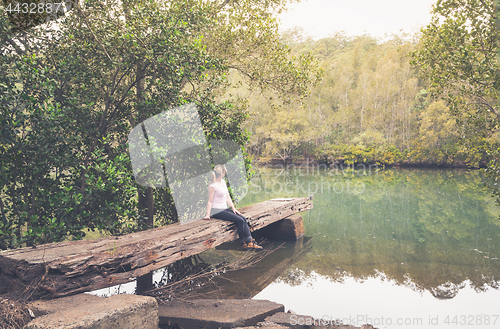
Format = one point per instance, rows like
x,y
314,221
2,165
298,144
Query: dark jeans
x,y
240,221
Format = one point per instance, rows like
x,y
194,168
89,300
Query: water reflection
x,y
248,282
419,245
427,230
224,272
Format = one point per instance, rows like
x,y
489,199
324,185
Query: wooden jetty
x,y
66,268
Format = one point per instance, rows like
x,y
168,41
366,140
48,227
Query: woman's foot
x,y
251,245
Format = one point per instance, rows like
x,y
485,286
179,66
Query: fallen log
x,y
66,268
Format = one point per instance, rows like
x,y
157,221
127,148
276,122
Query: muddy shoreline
x,y
278,163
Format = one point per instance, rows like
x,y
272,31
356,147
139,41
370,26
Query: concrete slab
x,y
85,311
289,228
216,313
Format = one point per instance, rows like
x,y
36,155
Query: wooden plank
x,y
65,268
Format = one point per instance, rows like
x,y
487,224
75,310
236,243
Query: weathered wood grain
x,y
65,268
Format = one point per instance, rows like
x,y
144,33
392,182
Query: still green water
x,y
392,248
396,248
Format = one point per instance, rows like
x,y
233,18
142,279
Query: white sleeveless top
x,y
220,195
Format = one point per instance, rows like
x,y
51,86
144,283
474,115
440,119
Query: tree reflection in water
x,y
429,230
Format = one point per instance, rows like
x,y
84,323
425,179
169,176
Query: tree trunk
x,y
146,205
146,196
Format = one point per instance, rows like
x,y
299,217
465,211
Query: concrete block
x,y
216,313
85,311
289,228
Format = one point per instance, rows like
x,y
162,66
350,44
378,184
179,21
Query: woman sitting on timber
x,y
218,198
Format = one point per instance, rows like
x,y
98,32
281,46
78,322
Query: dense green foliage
x,y
70,95
373,106
458,54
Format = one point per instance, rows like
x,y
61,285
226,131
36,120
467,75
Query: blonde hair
x,y
217,172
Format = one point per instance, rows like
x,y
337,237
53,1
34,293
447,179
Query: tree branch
x,y
88,25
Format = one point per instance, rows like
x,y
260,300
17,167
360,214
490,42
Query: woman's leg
x,y
240,221
246,228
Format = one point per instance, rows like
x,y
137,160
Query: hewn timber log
x,y
66,268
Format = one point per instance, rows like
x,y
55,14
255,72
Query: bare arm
x,y
211,192
230,203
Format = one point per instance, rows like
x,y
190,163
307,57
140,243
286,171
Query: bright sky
x,y
320,18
